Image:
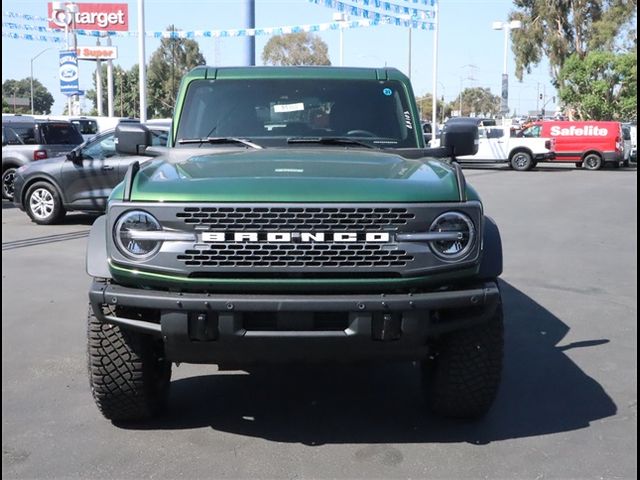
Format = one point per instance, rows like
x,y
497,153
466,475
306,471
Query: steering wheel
x,y
361,133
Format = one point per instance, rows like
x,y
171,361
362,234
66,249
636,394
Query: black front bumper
x,y
244,329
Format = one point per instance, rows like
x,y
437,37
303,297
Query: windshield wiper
x,y
329,141
219,140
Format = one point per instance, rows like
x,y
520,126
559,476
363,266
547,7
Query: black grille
x,y
289,255
309,218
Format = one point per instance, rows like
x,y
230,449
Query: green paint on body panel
x,y
296,175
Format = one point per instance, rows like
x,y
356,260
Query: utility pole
x,y
142,68
434,96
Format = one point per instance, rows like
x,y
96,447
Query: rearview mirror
x,y
460,138
132,138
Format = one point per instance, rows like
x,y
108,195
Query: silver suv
x,y
25,139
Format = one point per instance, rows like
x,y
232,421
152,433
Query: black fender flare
x,y
491,263
97,258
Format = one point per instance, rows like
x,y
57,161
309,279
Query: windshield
x,y
268,111
532,132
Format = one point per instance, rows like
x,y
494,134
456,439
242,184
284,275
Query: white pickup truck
x,y
522,153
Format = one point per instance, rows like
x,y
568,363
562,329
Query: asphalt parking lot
x,y
567,407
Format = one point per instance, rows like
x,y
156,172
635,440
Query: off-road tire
x,y
43,204
462,376
521,161
129,379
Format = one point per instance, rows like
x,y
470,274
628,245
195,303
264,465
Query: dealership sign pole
x,y
69,74
109,82
102,18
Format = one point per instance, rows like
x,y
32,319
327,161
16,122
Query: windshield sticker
x,y
407,120
388,92
288,107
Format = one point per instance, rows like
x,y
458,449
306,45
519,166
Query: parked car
x,y
26,139
81,180
89,125
589,144
481,122
496,145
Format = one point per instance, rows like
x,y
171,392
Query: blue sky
x,y
470,52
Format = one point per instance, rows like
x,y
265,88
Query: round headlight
x,y
131,235
459,246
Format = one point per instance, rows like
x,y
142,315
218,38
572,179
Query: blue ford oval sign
x,y
68,72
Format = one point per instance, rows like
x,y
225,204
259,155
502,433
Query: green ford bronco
x,y
295,216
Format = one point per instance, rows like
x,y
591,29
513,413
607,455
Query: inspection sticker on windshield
x,y
288,107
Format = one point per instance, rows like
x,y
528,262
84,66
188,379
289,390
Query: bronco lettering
x,y
302,237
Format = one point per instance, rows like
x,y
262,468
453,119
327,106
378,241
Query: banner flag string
x,y
383,12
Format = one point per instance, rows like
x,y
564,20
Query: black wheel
x,y
462,376
521,161
7,182
43,204
128,375
593,161
625,164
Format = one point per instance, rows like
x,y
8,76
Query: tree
x,y
125,92
600,86
169,63
42,99
477,101
559,29
425,107
300,48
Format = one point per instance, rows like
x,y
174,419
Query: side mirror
x,y
460,138
75,156
132,138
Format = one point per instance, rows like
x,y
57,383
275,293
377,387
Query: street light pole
x,y
31,76
342,19
507,27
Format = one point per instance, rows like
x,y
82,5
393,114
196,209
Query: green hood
x,y
324,174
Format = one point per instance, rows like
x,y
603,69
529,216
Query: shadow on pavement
x,y
542,392
6,204
77,218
